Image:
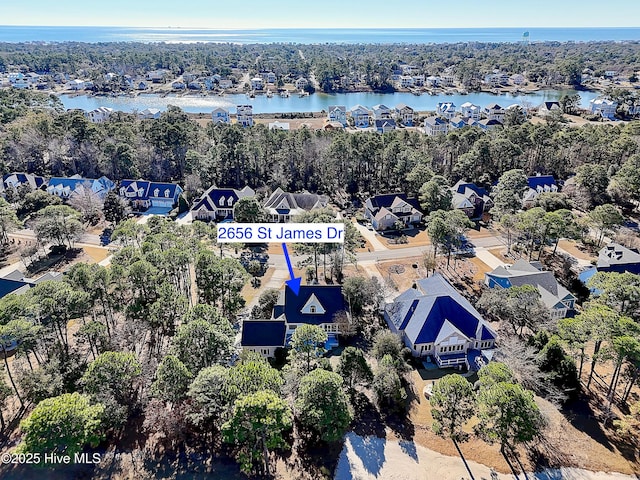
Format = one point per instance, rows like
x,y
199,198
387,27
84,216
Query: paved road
x,y
87,238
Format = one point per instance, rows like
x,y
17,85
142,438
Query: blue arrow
x,y
294,283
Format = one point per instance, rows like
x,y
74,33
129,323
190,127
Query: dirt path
x,y
373,458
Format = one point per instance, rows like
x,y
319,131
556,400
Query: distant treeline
x,y
334,66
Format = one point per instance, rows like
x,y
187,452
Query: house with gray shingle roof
x,y
384,211
436,321
283,206
559,300
614,258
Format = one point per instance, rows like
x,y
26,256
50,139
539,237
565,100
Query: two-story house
x,y
404,114
66,187
218,203
435,126
538,184
360,116
471,199
150,197
388,211
244,115
283,206
437,323
220,115
469,110
446,110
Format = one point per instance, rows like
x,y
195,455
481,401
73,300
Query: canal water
x,y
194,103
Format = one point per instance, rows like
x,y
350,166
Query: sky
x,y
254,14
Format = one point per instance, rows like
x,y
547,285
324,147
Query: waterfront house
x,y
458,122
76,84
65,187
150,197
244,115
218,203
517,79
178,85
220,115
548,108
194,85
158,76
495,112
381,112
257,83
448,80
360,116
435,126
604,107
614,258
446,110
538,184
557,298
99,115
337,113
149,113
387,211
224,84
404,114
437,323
406,81
283,206
471,199
301,83
433,81
319,305
141,85
470,110
384,126
270,77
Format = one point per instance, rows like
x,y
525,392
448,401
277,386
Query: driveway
x,y
489,258
371,237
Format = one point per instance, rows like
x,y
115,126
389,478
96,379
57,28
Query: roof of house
x,y
12,286
493,106
388,200
99,185
295,201
327,299
144,189
34,181
385,124
263,333
433,310
402,106
215,198
550,105
435,121
525,273
616,254
540,181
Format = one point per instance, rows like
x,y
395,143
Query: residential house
x,y
446,110
333,126
406,81
488,124
270,77
224,84
76,84
220,115
548,108
614,258
279,125
27,181
158,76
301,83
360,116
283,206
435,126
99,115
405,114
495,112
337,113
150,197
496,79
149,113
178,85
537,185
557,298
437,323
470,110
448,80
418,80
195,85
386,211
381,112
141,85
218,203
189,77
384,126
319,305
257,83
518,79
66,187
471,199
244,115
433,81
604,107
458,122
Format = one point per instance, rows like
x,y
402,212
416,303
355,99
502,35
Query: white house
x,y
99,115
495,112
446,110
301,83
381,112
279,125
469,110
435,126
76,84
406,81
337,113
244,115
150,113
604,107
257,83
225,84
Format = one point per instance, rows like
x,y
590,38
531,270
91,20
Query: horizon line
x,y
170,27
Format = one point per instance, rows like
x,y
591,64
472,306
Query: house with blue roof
x,y
150,197
437,322
64,187
26,180
471,199
315,305
218,203
614,258
537,185
556,297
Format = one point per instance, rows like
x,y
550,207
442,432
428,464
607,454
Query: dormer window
x,y
156,192
230,201
167,192
312,309
221,201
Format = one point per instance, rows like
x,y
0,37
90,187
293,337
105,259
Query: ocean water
x,y
310,36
